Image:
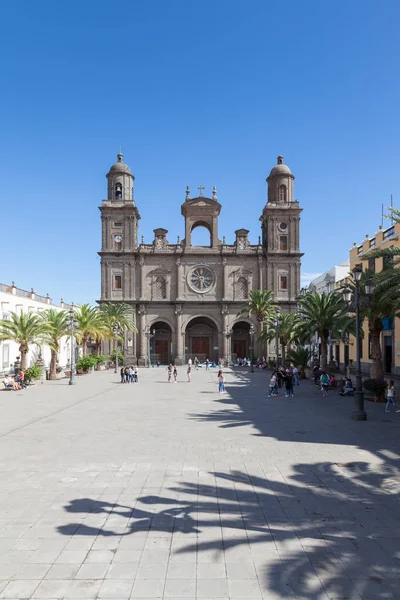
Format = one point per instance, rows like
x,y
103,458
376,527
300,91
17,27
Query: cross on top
x,y
201,188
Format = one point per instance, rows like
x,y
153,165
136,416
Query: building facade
x,y
185,298
390,337
14,299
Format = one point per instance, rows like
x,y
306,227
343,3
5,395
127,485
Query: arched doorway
x,y
201,339
161,343
241,340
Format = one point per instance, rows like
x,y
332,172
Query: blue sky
x,y
196,93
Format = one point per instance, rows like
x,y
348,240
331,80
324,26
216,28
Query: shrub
x,y
100,360
33,372
84,363
120,357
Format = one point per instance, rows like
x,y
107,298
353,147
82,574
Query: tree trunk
x,y
53,365
324,355
23,352
84,346
283,351
376,371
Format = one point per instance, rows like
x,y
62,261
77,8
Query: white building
x,y
13,299
328,280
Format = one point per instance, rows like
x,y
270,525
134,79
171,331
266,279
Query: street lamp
x,y
278,324
252,347
149,334
116,331
71,327
359,413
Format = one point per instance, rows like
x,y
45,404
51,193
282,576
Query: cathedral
x,y
186,298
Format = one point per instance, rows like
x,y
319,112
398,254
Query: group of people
x,y
16,382
129,375
283,377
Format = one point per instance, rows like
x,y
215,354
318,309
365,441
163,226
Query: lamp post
x,y
278,324
252,347
116,331
149,334
71,327
359,413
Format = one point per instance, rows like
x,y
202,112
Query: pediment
x,y
159,272
241,272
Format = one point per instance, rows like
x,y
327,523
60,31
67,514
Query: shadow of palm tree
x,y
327,531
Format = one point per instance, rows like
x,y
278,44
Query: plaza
x,y
153,490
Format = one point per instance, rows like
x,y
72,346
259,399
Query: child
x,y
189,371
391,397
272,386
324,383
169,371
175,374
221,382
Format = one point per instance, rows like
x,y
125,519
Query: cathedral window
x,y
118,191
160,289
282,193
283,242
117,282
283,282
242,289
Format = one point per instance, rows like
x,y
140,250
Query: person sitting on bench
x,y
348,387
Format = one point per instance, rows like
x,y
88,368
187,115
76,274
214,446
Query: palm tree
x,y
89,325
117,316
261,304
300,357
24,329
58,328
288,332
325,314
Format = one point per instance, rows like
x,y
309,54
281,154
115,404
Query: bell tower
x,y
280,224
201,212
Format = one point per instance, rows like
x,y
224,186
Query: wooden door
x,y
201,346
239,348
162,351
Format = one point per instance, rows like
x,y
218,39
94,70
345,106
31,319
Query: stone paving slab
x,y
155,490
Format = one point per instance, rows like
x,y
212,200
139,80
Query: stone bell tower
x,y
280,224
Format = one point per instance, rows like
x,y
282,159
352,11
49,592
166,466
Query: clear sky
x,y
196,92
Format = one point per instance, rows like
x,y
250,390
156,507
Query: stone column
x,y
260,273
103,232
179,278
225,349
109,281
126,282
103,280
142,333
141,263
224,279
107,236
132,279
179,336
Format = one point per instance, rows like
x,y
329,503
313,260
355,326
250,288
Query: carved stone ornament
x,y
200,279
178,309
141,261
142,309
225,310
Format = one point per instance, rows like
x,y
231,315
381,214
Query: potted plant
x,y
31,374
84,364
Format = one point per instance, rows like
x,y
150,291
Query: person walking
x,y
273,386
221,382
391,397
175,373
169,372
324,380
196,363
207,364
189,372
289,385
135,374
295,372
122,371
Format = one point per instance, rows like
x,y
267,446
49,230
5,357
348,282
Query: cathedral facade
x,y
185,298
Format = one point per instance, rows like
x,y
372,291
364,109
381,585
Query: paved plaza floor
x,y
157,490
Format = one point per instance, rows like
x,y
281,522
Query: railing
x,y
11,289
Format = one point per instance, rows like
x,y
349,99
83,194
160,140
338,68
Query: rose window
x,y
201,279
